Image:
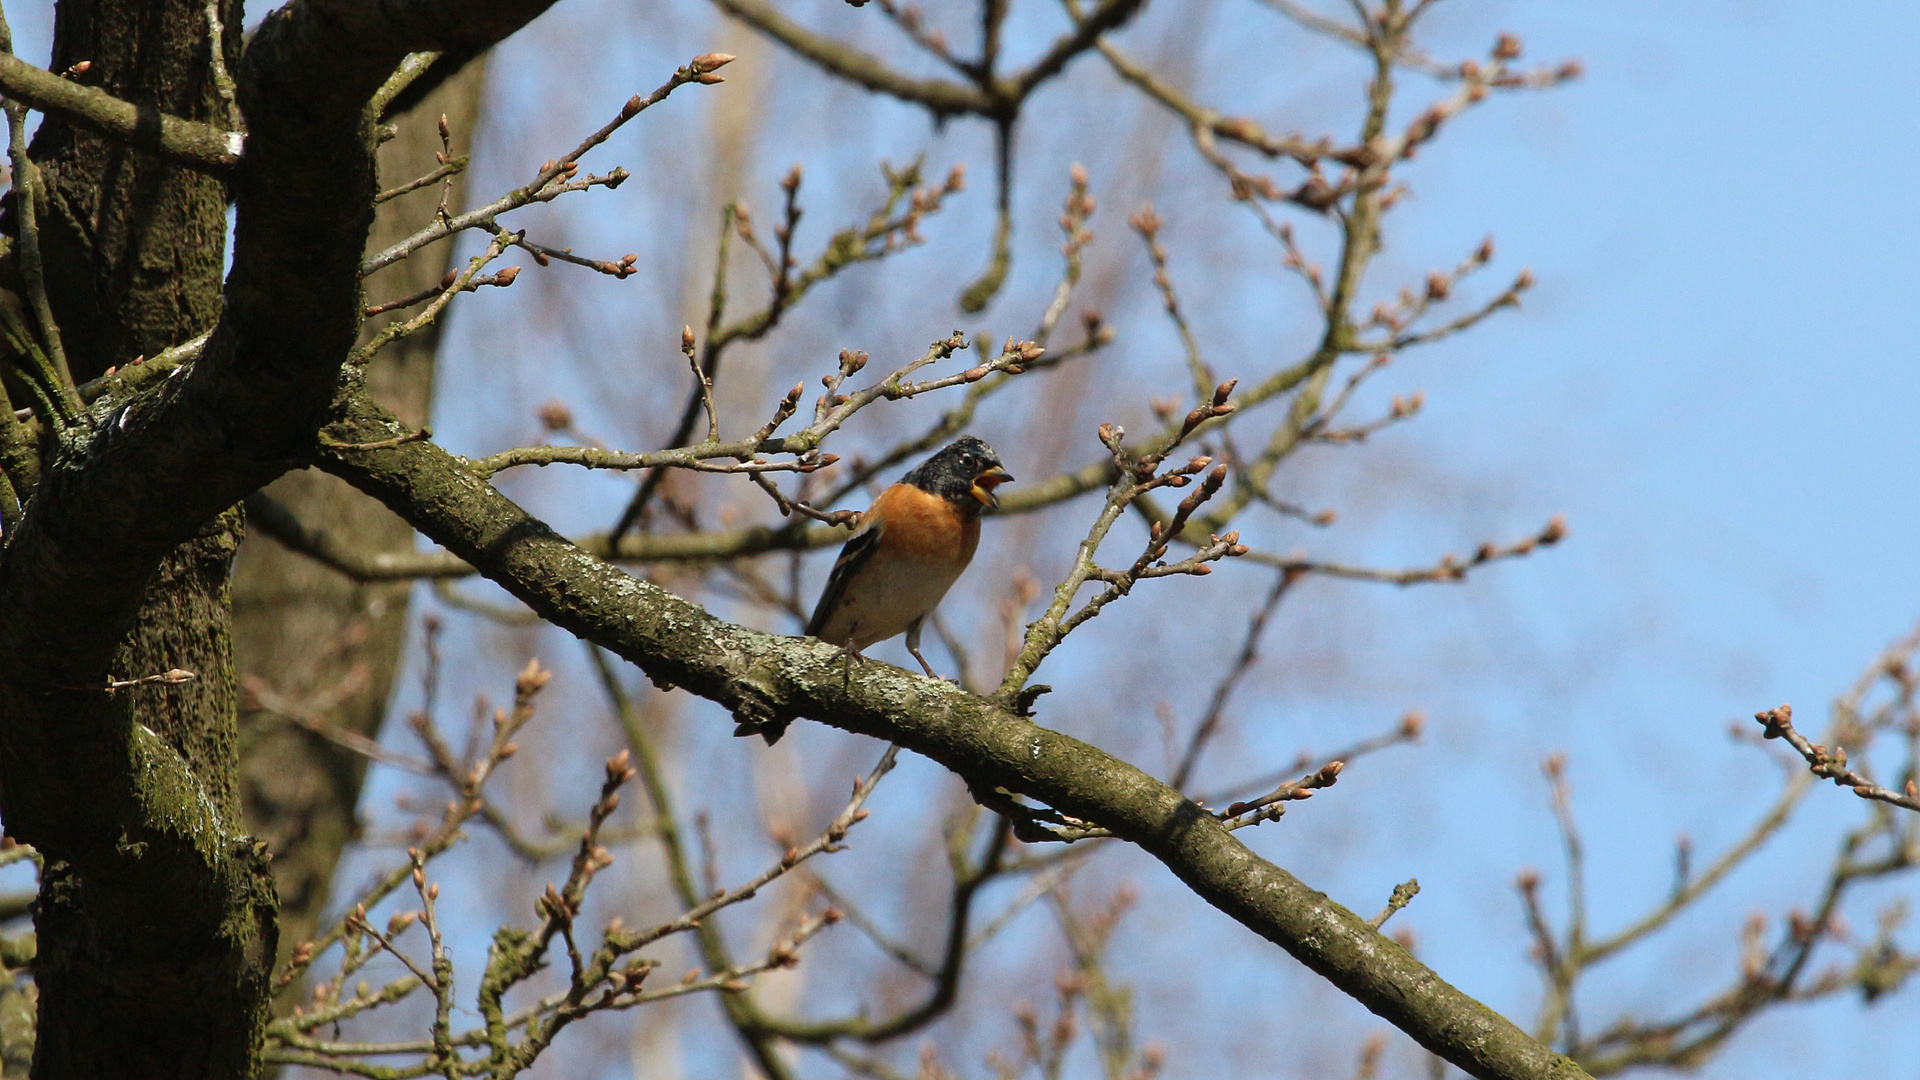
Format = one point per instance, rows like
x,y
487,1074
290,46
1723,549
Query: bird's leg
x,y
849,654
913,646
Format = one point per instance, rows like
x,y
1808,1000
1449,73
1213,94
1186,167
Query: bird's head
x,y
967,471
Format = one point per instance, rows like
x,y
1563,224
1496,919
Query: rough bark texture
x,y
309,632
132,244
132,247
156,927
767,678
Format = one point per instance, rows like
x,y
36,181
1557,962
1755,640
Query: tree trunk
x,y
306,631
156,918
143,968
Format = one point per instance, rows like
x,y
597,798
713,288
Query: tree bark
x,y
307,631
132,254
156,922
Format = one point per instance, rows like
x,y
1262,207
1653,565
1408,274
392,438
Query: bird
x,y
911,546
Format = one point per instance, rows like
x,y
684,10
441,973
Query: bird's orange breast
x,y
924,527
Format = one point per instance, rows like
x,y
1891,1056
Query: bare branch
x,y
1832,765
200,146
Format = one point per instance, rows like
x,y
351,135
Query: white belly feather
x,y
891,598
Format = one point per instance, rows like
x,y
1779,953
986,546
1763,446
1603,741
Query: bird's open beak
x,y
984,484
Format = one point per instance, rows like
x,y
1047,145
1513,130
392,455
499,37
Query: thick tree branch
x,y
161,466
189,142
764,678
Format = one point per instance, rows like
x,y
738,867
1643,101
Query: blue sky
x,y
1707,382
1710,381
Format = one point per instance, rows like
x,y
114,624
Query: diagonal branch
x,y
764,678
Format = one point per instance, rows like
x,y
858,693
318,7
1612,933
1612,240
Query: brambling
x,y
911,546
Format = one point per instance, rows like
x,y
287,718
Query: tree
x,y
155,395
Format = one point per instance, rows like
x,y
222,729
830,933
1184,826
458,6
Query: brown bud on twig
x,y
555,415
1507,47
713,61
1801,926
686,339
1555,531
552,906
531,678
1776,720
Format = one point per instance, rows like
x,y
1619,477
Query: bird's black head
x,y
966,472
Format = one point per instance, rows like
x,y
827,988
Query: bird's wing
x,y
855,555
